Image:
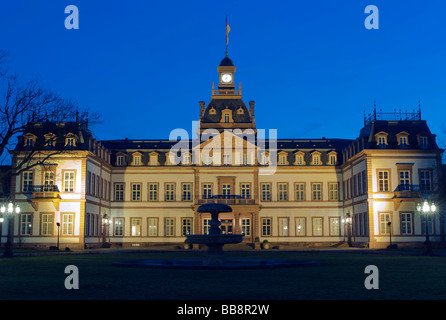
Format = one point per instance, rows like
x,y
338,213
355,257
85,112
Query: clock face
x,y
226,77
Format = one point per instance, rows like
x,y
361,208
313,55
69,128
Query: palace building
x,y
301,192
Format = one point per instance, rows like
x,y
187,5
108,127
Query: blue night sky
x,y
311,66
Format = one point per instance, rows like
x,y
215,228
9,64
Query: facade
x,y
303,192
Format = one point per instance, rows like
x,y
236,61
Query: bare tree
x,y
23,103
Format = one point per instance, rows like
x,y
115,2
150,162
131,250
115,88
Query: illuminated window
x,y
46,228
333,193
68,181
48,181
136,227
317,226
300,227
283,227
25,224
119,227
334,226
67,224
153,227
384,219
383,180
316,191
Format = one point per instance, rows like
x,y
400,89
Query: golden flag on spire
x,y
227,31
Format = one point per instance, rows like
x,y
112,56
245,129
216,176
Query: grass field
x,y
340,275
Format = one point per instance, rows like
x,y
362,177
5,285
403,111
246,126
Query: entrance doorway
x,y
226,226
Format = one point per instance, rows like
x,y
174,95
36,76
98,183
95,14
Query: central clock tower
x,y
226,71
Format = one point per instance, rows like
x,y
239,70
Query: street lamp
x,y
58,234
105,229
347,229
427,209
9,211
1,228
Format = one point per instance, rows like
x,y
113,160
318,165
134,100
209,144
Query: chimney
x,y
251,107
201,108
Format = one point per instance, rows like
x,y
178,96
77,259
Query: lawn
x,y
339,275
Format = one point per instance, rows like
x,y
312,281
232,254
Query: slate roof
x,y
221,104
59,129
392,128
226,62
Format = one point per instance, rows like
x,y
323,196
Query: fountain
x,y
214,240
215,257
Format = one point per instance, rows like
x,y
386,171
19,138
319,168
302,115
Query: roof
x,y
226,62
240,112
414,128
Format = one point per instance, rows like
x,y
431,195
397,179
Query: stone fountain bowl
x,y
215,238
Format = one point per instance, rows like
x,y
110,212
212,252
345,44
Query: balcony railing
x,y
45,191
408,191
224,199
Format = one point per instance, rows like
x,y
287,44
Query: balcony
x,y
227,199
407,191
44,193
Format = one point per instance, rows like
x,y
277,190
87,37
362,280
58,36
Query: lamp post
x,y
9,211
58,234
427,209
347,229
1,229
105,227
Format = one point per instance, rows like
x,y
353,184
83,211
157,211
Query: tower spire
x,y
227,35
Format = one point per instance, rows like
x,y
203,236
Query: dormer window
x,y
381,139
332,158
70,140
153,159
50,140
423,142
186,159
29,141
403,139
136,159
264,159
316,158
283,161
299,158
226,116
120,159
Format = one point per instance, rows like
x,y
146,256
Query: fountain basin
x,y
214,238
230,264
